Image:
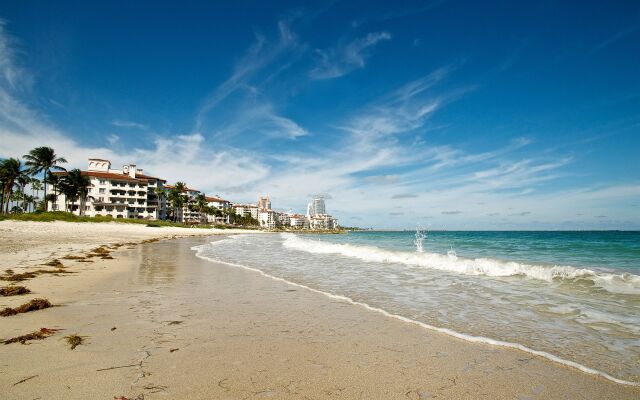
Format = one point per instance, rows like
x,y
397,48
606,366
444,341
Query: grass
x,y
43,333
51,216
13,290
33,305
74,340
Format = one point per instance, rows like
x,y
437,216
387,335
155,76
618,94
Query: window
x,y
102,181
101,190
101,199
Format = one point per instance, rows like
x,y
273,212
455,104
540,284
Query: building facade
x,y
116,193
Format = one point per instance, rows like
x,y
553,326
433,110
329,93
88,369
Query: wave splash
x,y
615,283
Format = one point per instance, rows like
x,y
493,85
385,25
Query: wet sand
x,y
189,328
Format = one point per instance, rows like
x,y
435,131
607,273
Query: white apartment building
x,y
283,219
246,209
187,215
322,222
298,221
220,204
267,219
118,193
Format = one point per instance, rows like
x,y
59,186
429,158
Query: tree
x,y
176,198
36,187
75,186
162,195
23,180
43,159
10,171
54,182
201,204
78,184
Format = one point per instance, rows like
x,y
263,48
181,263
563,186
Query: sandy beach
x,y
158,322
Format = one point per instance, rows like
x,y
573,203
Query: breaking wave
x,y
616,283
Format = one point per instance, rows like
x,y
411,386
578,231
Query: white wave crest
x,y
615,283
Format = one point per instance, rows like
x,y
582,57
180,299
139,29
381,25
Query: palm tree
x,y
44,159
36,187
177,199
162,195
23,180
201,204
78,185
54,182
10,171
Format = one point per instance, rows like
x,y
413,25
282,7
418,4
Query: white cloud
x,y
113,138
346,57
128,124
260,55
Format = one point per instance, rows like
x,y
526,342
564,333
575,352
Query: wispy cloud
x,y
404,196
346,56
454,212
403,110
10,72
615,38
128,124
261,54
520,214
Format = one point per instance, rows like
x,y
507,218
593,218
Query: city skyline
x,y
448,115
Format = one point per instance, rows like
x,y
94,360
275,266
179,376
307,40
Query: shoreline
x,y
192,328
446,331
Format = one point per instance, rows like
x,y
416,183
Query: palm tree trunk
x,y
45,190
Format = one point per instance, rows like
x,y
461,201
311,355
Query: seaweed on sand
x,y
13,277
72,257
54,263
14,290
74,340
43,333
33,305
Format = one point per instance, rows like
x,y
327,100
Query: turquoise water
x,y
616,250
573,295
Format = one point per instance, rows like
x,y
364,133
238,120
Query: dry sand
x,y
186,328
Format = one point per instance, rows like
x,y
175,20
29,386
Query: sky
x,y
434,114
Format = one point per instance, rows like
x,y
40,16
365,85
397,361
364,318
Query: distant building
x,y
267,219
316,206
264,203
118,193
298,221
246,210
220,204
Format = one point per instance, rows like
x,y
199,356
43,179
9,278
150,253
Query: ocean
x,y
573,297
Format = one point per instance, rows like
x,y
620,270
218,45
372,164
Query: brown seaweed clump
x,y
72,257
14,290
54,263
13,277
33,305
53,271
74,340
43,333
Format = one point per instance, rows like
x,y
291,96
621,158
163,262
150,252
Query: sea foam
x,y
612,282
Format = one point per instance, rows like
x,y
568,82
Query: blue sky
x,y
444,114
